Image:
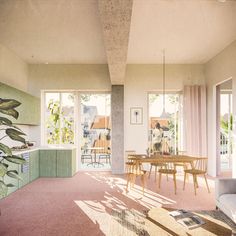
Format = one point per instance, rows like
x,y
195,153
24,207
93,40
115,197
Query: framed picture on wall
x,y
136,115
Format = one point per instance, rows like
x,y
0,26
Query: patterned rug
x,y
132,222
128,223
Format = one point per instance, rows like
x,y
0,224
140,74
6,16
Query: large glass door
x,y
165,132
96,131
226,125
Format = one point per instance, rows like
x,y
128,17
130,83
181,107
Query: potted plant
x,y
8,130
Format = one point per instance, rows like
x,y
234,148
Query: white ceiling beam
x,y
116,18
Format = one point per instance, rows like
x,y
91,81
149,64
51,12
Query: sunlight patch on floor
x,y
96,212
149,199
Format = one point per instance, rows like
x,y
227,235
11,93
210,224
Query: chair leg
x,y
133,179
195,184
155,173
159,180
184,180
206,184
128,181
167,178
143,181
150,171
174,178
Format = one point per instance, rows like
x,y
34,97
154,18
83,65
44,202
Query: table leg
x,y
95,161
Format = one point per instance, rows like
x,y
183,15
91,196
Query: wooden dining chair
x,y
157,166
128,162
181,164
132,171
169,170
199,168
135,171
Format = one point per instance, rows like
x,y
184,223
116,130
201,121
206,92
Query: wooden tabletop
x,y
163,158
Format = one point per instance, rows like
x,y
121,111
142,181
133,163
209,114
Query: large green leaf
x,y
7,104
6,165
13,174
5,149
15,159
10,112
15,135
3,189
13,131
3,169
5,121
10,185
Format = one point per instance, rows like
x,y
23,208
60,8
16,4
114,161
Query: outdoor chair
x,y
86,155
106,155
105,151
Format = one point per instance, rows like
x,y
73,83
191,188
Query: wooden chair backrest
x,y
201,164
129,153
128,163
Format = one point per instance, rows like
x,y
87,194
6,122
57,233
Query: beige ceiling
x,y
70,31
190,31
53,31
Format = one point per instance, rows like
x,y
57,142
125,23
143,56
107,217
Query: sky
x,y
224,104
156,107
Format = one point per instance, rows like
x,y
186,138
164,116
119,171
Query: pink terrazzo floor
x,y
82,205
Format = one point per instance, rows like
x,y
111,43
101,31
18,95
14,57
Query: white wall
x,y
74,77
13,70
66,77
141,79
220,68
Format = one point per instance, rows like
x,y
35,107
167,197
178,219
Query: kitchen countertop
x,y
50,147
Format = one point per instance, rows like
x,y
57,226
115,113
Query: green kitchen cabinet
x,y
24,170
29,110
47,163
9,180
34,165
66,163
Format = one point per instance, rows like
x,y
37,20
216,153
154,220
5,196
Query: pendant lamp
x,y
164,114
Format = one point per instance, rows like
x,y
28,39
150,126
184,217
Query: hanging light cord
x,y
164,75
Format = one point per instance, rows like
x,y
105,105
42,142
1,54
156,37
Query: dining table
x,y
160,159
95,150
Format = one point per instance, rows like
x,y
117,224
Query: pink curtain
x,y
194,118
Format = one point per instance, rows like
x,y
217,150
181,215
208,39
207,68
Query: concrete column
x,y
117,119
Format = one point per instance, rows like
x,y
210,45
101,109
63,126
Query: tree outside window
x,y
60,118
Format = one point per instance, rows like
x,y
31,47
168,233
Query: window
x,y
59,118
226,127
